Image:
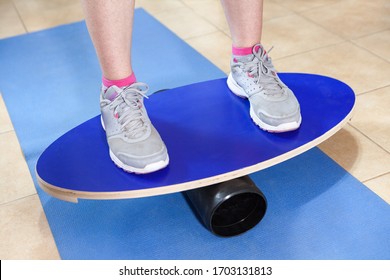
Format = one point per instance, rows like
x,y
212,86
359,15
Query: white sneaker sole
x,y
284,127
152,167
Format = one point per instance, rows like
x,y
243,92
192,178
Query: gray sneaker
x,y
134,143
273,106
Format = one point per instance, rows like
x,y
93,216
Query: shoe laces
x,y
261,69
127,108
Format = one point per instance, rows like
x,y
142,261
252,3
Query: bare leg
x,y
134,144
253,75
245,19
110,24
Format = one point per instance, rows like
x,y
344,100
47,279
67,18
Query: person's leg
x,y
245,19
273,106
134,144
110,24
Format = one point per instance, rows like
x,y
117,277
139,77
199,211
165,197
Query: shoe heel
x,y
102,122
235,88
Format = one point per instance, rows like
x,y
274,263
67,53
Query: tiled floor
x,y
348,40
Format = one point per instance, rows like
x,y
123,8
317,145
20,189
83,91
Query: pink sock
x,y
119,83
243,51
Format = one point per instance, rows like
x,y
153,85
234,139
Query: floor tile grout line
x,y
20,17
154,15
368,50
346,39
321,26
199,36
335,44
302,13
199,51
375,177
314,8
370,34
342,39
224,31
372,90
6,131
6,203
311,50
204,18
196,36
368,138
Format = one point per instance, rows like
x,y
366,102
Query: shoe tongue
x,y
111,93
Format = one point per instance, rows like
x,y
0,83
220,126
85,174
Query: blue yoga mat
x,y
50,82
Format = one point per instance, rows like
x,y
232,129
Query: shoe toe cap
x,y
277,109
142,153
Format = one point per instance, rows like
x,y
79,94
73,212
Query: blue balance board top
x,y
209,135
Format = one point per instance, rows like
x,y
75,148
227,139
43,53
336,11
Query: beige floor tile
x,y
216,47
381,186
185,23
378,43
288,40
353,18
210,10
303,5
42,14
24,231
213,12
10,23
153,6
5,121
372,116
273,10
357,154
358,68
15,178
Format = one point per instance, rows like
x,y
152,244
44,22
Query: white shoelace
x,y
261,68
128,107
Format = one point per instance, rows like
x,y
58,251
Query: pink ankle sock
x,y
119,83
243,51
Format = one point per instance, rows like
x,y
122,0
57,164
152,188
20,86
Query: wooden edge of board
x,y
73,196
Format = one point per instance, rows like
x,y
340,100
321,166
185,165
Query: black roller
x,y
229,208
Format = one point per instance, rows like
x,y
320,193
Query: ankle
x,y
127,81
241,51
